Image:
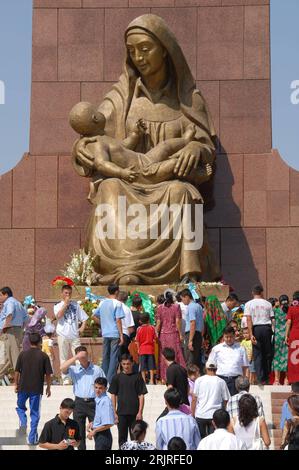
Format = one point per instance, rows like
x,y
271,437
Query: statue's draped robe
x,y
167,114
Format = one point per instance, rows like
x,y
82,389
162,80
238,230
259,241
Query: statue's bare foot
x,y
189,134
192,277
129,280
202,174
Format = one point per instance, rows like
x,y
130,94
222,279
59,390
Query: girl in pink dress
x,y
168,326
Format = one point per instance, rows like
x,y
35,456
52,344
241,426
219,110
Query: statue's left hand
x,y
83,155
188,159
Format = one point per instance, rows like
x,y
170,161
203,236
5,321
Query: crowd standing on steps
x,y
206,354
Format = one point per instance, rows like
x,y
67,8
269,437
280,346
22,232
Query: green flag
x,y
147,304
215,319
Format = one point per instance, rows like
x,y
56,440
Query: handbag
x,y
258,443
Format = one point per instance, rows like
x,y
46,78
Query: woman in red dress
x,y
292,339
168,327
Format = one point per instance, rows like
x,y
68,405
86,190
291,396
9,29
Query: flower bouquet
x,y
89,305
81,269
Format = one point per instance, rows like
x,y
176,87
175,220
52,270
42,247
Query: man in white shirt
x,y
127,323
210,393
231,302
68,314
221,439
260,321
230,359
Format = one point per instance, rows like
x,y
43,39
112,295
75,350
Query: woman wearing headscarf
x,y
35,325
156,86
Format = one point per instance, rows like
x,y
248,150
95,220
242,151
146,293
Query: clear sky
x,y
284,73
15,79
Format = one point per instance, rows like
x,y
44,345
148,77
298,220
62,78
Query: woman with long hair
x,y
292,339
168,329
291,424
280,360
249,427
138,433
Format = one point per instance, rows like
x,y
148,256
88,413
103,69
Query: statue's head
x,y
86,120
145,51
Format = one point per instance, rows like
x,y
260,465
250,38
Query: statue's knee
x,y
178,189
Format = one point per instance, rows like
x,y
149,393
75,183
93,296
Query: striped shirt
x,y
177,424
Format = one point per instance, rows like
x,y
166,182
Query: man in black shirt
x,y
31,368
127,394
61,433
176,375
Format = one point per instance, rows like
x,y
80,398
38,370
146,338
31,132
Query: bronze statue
x,y
151,142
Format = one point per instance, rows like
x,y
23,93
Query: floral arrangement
x,y
210,284
60,281
80,269
89,305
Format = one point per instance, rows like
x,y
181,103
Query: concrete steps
x,y
9,439
154,405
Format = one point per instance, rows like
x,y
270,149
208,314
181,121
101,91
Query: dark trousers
x,y
262,351
230,382
205,427
103,440
124,426
193,357
124,347
83,409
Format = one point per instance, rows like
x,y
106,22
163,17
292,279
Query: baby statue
x,y
113,158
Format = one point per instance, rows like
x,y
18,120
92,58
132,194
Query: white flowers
x,y
208,284
80,268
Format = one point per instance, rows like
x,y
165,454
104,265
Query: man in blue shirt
x,y
83,376
109,315
104,417
13,318
286,412
193,329
176,423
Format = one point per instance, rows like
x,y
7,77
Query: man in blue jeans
x,y
109,315
31,368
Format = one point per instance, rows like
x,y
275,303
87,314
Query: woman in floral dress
x,y
280,360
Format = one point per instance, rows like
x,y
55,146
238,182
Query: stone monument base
x,y
221,291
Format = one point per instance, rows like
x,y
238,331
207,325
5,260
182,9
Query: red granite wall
x,y
77,54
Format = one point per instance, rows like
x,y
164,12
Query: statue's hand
x,y
83,155
188,159
129,174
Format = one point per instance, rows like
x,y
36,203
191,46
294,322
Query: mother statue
x,y
156,86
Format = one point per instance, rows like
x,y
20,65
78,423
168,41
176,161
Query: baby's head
x,y
86,120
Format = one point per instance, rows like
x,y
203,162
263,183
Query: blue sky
x,y
15,79
284,73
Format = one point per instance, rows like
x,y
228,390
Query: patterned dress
x,y
280,360
169,336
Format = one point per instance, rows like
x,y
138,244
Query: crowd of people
x,y
207,354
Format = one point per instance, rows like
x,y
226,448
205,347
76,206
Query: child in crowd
x,y
247,344
104,419
35,325
193,374
48,344
145,339
234,324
